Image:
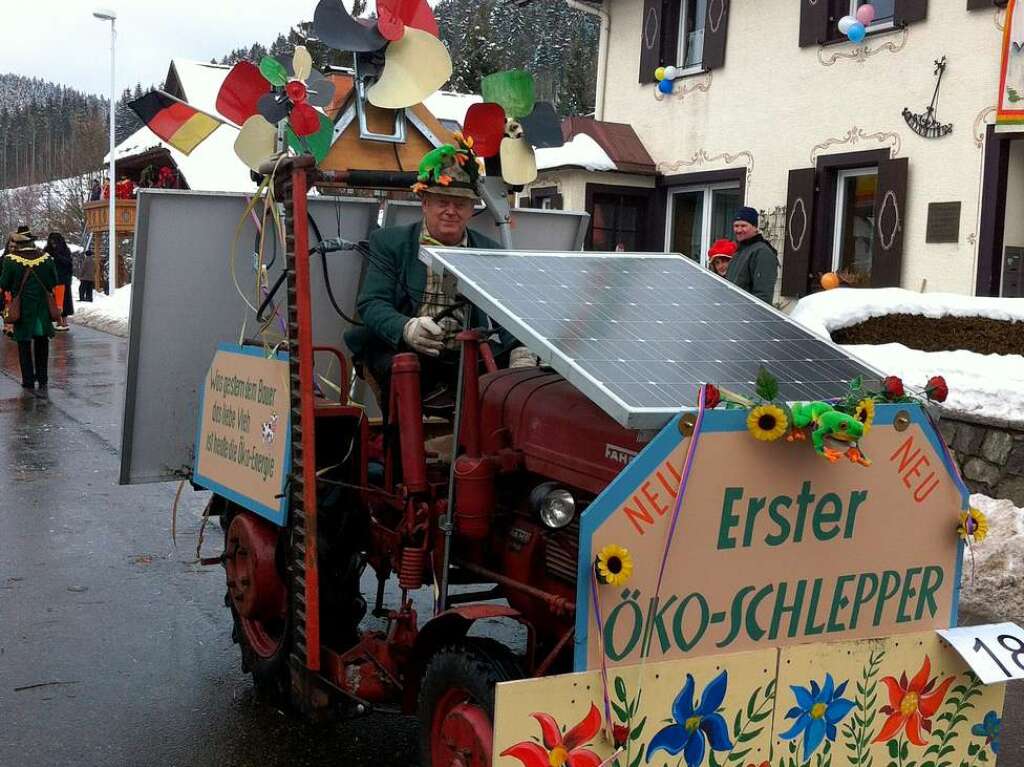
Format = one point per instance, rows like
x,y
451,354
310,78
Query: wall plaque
x,y
943,222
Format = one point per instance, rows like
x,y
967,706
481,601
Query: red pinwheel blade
x,y
412,13
389,25
334,25
485,124
542,128
240,93
305,120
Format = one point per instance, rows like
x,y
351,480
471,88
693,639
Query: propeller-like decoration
x,y
510,124
259,98
416,62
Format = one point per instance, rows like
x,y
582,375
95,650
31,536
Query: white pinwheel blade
x,y
256,142
518,161
414,67
302,63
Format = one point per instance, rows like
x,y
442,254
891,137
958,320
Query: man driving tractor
x,y
404,305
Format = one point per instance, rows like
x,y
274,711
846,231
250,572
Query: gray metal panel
x,y
184,303
637,333
532,228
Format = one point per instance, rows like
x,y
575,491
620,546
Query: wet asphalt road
x,y
115,647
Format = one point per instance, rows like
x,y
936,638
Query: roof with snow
x,y
595,145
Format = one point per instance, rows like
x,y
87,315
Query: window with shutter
x,y
796,252
686,34
650,40
890,214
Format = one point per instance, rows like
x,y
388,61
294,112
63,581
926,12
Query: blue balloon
x,y
665,86
857,33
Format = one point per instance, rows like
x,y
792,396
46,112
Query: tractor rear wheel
x,y
456,702
258,599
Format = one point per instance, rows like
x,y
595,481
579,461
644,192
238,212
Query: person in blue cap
x,y
755,266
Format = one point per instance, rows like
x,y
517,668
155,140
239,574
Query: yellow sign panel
x,y
242,444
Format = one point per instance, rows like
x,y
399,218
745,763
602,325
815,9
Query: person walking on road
x,y
756,264
58,249
30,276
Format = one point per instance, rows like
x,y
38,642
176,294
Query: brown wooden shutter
x,y
796,253
715,26
813,22
890,217
909,11
670,10
650,40
973,5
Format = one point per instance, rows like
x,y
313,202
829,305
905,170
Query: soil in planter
x,y
937,334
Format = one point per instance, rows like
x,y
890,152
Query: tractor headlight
x,y
555,505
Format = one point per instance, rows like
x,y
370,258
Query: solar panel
x,y
638,332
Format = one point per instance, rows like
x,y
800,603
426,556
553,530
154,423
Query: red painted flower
x,y
893,387
936,389
712,396
911,705
560,750
620,734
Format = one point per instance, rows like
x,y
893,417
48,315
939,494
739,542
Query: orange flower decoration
x,y
911,705
560,750
444,180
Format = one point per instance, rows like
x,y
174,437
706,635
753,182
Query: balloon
x,y
671,73
665,86
845,23
866,14
659,73
857,32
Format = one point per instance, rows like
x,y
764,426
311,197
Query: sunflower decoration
x,y
767,422
973,527
865,413
614,565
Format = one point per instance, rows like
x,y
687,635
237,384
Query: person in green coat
x,y
756,264
32,273
404,306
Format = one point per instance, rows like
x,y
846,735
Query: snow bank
x,y
106,313
580,151
985,386
996,590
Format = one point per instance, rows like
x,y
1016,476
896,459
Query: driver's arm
x,y
379,292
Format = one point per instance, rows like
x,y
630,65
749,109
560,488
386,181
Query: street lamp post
x,y
106,14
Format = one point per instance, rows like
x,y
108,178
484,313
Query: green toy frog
x,y
823,421
435,162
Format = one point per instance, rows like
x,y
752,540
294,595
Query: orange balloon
x,y
830,280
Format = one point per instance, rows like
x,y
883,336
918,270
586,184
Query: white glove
x,y
424,336
521,357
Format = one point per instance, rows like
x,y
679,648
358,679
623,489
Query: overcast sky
x,y
59,40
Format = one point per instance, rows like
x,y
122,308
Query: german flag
x,y
180,125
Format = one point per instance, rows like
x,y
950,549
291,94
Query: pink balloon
x,y
866,14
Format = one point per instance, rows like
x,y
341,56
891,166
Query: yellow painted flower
x,y
614,565
767,422
973,526
865,413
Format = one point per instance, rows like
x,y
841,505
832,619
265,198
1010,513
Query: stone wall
x,y
991,458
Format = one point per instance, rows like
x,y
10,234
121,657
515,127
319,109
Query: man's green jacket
x,y
755,267
393,288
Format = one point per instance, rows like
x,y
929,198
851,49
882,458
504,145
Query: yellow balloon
x,y
659,73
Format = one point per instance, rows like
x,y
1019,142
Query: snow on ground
x,y
996,590
106,313
986,386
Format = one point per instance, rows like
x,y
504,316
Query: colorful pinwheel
x,y
510,125
259,98
401,49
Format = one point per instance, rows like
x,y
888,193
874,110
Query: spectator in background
x,y
58,249
720,255
85,272
95,191
756,264
29,275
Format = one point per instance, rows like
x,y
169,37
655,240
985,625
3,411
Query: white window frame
x,y
874,26
838,217
681,42
705,224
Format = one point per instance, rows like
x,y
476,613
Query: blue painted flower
x,y
694,723
989,730
817,712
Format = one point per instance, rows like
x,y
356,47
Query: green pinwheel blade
x,y
319,144
513,90
274,71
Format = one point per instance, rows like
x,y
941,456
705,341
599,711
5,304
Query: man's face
x,y
743,231
446,217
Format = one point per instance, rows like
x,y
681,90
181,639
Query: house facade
x,y
776,109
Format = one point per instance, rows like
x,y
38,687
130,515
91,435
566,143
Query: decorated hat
x,y
450,169
23,236
722,249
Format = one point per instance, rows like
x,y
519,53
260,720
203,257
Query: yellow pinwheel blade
x,y
256,142
302,63
414,67
518,162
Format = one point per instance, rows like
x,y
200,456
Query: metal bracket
x,y
397,136
494,192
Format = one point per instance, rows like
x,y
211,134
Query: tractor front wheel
x,y
456,702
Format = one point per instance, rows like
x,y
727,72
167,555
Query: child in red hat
x,y
720,254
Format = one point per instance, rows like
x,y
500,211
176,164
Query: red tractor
x,y
532,452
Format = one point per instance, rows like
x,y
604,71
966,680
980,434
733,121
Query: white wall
x,y
1013,233
774,101
572,184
